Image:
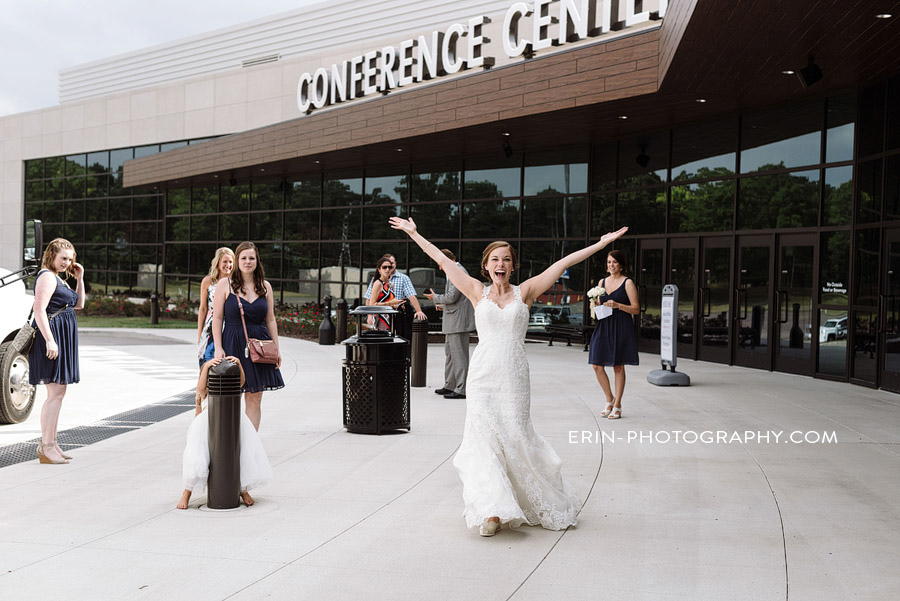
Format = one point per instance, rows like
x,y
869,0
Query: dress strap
x,y
517,293
485,291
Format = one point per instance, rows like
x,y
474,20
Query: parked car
x,y
833,329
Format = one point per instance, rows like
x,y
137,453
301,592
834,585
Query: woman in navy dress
x,y
613,342
249,283
53,358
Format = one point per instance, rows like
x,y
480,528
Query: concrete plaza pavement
x,y
353,516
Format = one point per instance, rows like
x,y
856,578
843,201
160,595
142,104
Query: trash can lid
x,y
373,310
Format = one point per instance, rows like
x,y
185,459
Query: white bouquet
x,y
594,293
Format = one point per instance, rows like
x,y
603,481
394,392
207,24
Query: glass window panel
x,y
234,198
53,230
864,363
303,194
54,212
75,187
386,188
233,227
871,119
783,137
74,210
867,254
54,167
561,172
893,114
373,252
301,261
98,162
55,189
341,224
868,191
604,166
115,186
299,293
338,258
834,265
644,161
74,234
117,160
176,259
340,191
143,258
120,283
643,211
178,201
96,232
172,146
705,207
34,169
34,191
564,300
301,225
95,210
34,210
892,187
178,229
833,328
119,250
782,200
97,186
470,257
175,287
439,220
201,256
267,196
270,257
554,217
840,128
144,232
497,220
838,193
203,227
436,184
145,151
146,207
120,209
75,164
265,226
376,226
93,257
204,199
707,150
492,178
602,209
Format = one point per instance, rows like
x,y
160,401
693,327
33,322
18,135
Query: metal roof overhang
x,y
731,54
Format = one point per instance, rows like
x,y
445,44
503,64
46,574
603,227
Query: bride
x,y
510,474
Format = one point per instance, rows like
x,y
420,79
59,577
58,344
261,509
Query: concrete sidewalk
x,y
380,517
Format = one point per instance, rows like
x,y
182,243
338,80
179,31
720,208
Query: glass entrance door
x,y
753,302
683,257
649,280
890,313
715,300
794,293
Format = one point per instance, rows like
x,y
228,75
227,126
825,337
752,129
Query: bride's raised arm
x,y
536,286
464,282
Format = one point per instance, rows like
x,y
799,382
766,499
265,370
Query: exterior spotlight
x,y
642,159
507,149
232,181
810,74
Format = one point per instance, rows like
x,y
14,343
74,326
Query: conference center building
x,y
752,148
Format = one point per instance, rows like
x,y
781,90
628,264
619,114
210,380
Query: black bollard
x,y
341,317
796,334
419,353
154,308
326,330
224,480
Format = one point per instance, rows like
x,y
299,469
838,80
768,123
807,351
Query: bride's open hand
x,y
612,236
407,225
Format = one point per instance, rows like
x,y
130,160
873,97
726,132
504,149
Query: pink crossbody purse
x,y
259,351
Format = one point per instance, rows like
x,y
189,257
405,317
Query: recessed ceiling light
x,y
623,116
884,16
399,150
787,72
506,133
317,162
262,168
216,176
701,100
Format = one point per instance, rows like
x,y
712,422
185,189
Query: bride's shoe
x,y
609,408
42,457
489,528
616,413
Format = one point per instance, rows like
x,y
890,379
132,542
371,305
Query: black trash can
x,y
375,377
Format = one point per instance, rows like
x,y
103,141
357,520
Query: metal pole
x,y
341,317
419,353
224,480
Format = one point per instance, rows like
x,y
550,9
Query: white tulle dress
x,y
507,469
255,468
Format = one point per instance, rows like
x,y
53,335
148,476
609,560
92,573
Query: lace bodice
x,y
498,325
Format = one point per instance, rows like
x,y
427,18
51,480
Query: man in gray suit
x,y
458,321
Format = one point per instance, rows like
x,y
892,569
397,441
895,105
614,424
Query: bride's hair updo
x,y
491,248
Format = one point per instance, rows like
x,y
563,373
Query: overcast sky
x,y
40,37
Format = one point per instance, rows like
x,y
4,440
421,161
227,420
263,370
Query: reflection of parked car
x,y
545,315
833,329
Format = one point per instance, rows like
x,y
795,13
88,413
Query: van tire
x,y
17,393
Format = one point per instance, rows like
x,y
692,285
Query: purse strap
x,y
237,297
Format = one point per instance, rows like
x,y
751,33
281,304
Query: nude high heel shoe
x,y
43,458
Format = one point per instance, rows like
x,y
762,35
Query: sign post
x,y
668,329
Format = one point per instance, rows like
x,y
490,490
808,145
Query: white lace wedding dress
x,y
507,469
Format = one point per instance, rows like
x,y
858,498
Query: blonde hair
x,y
214,266
491,248
52,250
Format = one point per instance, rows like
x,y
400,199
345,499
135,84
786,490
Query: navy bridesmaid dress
x,y
613,341
64,327
257,376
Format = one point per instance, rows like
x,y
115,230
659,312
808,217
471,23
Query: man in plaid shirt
x,y
403,288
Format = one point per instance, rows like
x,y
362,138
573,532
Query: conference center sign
x,y
461,46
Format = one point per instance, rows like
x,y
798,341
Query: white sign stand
x,y
668,344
